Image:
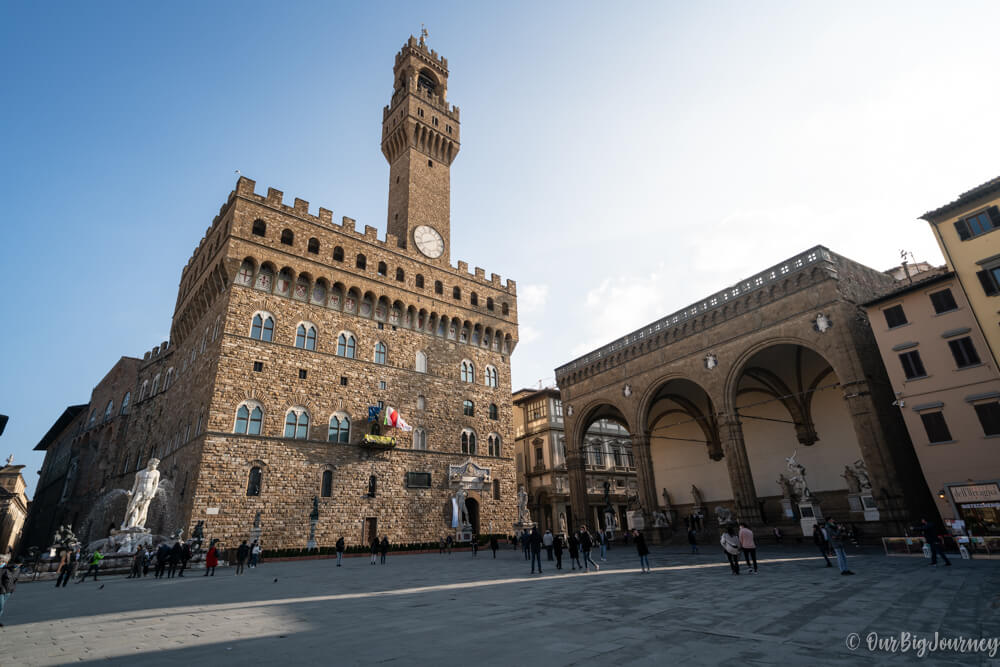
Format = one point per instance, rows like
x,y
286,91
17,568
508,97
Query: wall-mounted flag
x,y
373,411
393,418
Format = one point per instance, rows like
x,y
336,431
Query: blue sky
x,y
618,161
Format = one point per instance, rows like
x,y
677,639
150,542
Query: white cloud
x,y
532,298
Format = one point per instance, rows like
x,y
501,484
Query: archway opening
x,y
472,505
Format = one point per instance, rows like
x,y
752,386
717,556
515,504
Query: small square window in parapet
x,y
258,366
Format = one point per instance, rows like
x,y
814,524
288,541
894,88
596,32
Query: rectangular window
x,y
302,374
343,381
558,408
258,366
934,424
894,316
989,417
536,410
539,456
990,280
418,480
977,224
912,366
964,352
943,301
381,384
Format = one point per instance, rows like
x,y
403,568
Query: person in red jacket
x,y
211,560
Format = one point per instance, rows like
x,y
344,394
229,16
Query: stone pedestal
x,y
854,500
810,514
787,509
311,544
128,540
870,508
635,520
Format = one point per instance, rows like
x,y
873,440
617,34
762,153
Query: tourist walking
x,y
693,540
95,564
449,542
933,540
75,562
820,539
602,536
574,551
535,544
586,544
475,546
384,547
441,546
176,552
137,561
526,543
749,547
778,535
557,547
185,557
340,550
731,546
8,582
547,543
242,552
836,537
642,549
162,553
65,568
494,545
211,560
375,546
255,552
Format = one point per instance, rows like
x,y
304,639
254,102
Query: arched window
x,y
380,353
421,364
400,275
305,336
338,254
421,402
170,376
125,400
142,392
489,303
259,227
456,293
297,424
249,417
254,482
468,408
438,287
326,488
493,411
468,372
504,308
419,438
490,376
314,246
468,441
494,444
419,280
474,299
108,410
262,327
287,237
345,345
383,270
156,386
361,262
340,428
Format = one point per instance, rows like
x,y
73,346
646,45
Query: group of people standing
x,y
581,542
829,538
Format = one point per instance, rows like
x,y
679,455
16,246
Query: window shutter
x,y
989,285
994,214
963,230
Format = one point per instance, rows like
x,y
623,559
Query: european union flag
x,y
373,411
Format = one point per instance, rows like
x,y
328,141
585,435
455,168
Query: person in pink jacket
x,y
749,547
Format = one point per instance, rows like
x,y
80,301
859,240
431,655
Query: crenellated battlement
x,y
419,48
274,199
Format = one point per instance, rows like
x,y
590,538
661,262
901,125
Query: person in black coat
x,y
185,557
933,541
340,551
375,546
241,556
8,582
820,539
162,554
557,548
574,551
640,546
586,544
494,545
174,559
384,547
535,543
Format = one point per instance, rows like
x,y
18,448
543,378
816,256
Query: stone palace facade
x,y
288,332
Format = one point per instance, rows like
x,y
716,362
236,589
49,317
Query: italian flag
x,y
392,418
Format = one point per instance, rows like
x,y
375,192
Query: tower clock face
x,y
428,241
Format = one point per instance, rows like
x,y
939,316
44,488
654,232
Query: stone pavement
x,y
449,610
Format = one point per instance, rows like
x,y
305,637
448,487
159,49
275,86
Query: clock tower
x,y
420,140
